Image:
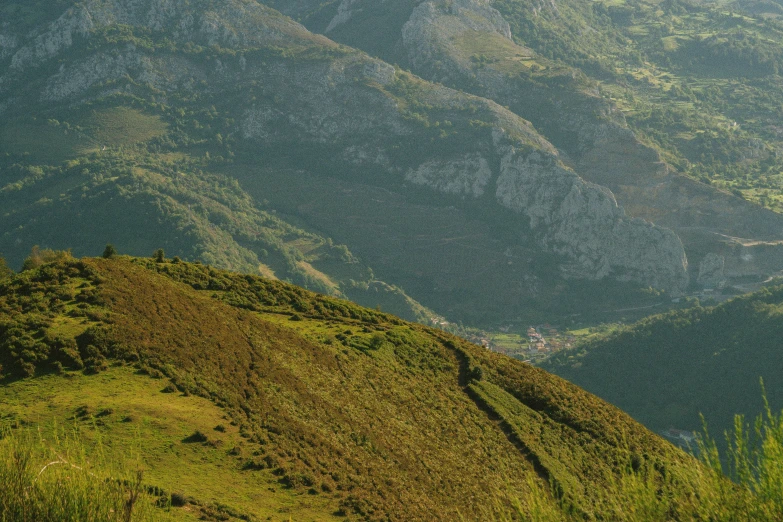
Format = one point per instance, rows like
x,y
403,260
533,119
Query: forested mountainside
x,y
253,398
232,134
668,369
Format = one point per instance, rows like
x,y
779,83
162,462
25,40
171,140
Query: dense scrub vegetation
x,y
334,395
389,420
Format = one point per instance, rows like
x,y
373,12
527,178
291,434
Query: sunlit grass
x,y
50,476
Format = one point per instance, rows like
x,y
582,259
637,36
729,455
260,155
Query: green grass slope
x,y
667,369
135,422
308,406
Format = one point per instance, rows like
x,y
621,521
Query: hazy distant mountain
x,y
673,106
235,135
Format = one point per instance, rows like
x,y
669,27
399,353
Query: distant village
x,y
538,343
546,339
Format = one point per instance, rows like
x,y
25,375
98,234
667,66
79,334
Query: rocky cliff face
x,y
361,109
588,131
582,221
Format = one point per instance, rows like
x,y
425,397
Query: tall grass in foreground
x,y
744,484
49,478
754,461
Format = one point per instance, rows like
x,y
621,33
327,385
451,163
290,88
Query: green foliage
x,y
123,126
109,251
754,460
159,256
32,338
39,257
5,270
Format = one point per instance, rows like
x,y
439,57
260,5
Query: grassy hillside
x,y
120,421
667,369
308,406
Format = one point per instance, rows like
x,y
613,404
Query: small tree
x,y
109,251
34,260
39,257
159,255
5,271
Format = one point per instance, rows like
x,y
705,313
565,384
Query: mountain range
x,y
481,162
497,171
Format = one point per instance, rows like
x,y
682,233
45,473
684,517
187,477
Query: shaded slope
x,y
389,419
109,196
667,369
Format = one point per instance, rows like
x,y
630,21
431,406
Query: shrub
x,y
196,436
755,461
109,251
40,257
178,499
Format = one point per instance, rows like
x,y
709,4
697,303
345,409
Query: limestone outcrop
x,y
711,271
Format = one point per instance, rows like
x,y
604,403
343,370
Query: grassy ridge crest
x,y
338,404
